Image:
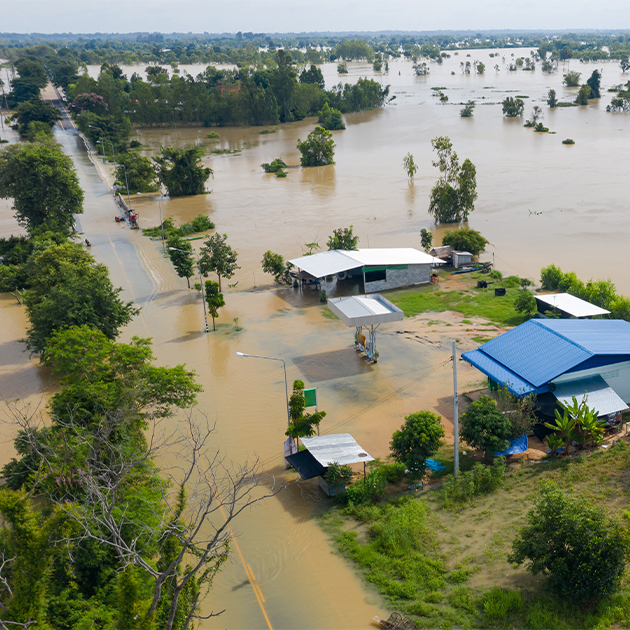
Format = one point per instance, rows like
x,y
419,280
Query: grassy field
x,y
466,299
448,568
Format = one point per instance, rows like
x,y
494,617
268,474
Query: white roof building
x,y
570,305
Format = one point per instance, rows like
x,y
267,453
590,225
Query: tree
x,y
513,107
552,101
302,424
411,168
593,83
330,118
426,239
183,262
36,111
313,75
480,67
318,149
467,111
576,546
453,196
343,238
572,78
179,171
485,426
137,171
418,438
583,95
69,288
465,240
215,300
274,264
285,84
525,302
624,64
217,256
43,184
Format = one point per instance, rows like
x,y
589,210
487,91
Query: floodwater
x,y
539,202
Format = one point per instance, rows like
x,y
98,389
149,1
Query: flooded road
x,y
539,202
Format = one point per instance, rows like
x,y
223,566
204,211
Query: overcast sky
x,y
269,16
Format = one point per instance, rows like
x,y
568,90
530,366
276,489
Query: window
x,y
375,276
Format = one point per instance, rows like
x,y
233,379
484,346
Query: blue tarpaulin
x,y
435,466
518,445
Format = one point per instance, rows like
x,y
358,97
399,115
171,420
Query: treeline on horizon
x,y
259,48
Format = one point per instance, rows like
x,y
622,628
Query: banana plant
x,y
565,426
554,441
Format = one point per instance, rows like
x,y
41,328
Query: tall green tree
x,y
313,75
285,84
137,171
594,82
574,545
343,238
182,261
318,149
180,171
215,300
453,196
217,256
69,288
43,184
35,111
552,101
513,107
419,437
426,239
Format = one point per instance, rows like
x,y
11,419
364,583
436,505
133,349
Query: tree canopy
x,y
180,172
419,437
137,171
465,239
453,196
343,238
217,256
485,426
513,107
41,180
318,149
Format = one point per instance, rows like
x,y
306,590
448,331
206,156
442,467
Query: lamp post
x,y
161,222
110,144
127,186
284,365
203,297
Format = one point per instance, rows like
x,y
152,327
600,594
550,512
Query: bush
x,y
419,437
368,490
576,545
275,167
393,472
480,480
525,302
568,141
485,426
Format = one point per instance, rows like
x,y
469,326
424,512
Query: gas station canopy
x,y
365,310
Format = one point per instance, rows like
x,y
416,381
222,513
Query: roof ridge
x,y
557,334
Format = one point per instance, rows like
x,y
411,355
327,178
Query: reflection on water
x,y
539,202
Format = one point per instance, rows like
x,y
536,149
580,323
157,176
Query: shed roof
x,y
595,391
340,448
534,353
338,260
365,310
571,305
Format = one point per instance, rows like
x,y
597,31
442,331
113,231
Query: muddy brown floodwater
x,y
539,202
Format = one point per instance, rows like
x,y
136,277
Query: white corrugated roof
x,y
337,261
341,448
572,305
595,390
364,310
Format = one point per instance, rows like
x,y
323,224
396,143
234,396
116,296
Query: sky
x,y
281,16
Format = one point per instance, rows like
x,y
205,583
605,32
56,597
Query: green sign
x,y
310,396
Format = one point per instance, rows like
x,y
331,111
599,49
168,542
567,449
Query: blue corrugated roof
x,y
535,353
538,351
598,336
498,373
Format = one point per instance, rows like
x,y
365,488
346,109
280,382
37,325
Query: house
x,y
559,358
380,269
445,252
567,305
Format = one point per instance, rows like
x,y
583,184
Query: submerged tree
x,y
318,149
214,299
552,101
182,260
217,256
410,166
180,171
513,107
453,196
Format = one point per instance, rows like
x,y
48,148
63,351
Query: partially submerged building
x,y
560,358
380,269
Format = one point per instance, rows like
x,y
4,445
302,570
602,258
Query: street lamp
x,y
161,222
203,298
127,185
102,145
110,144
284,365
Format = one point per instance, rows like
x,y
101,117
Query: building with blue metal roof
x,y
539,355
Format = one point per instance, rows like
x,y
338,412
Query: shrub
x,y
212,134
480,480
368,490
575,545
525,302
499,605
393,472
485,426
275,167
419,437
568,141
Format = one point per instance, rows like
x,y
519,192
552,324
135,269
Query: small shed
x,y
461,258
323,450
568,306
444,252
369,311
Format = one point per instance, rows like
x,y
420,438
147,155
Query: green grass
x,y
470,302
447,568
328,314
481,339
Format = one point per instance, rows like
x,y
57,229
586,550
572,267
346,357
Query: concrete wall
x,y
396,278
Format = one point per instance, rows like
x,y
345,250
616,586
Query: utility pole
x,y
455,410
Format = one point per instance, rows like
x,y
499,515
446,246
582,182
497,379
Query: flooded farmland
x,y
539,202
